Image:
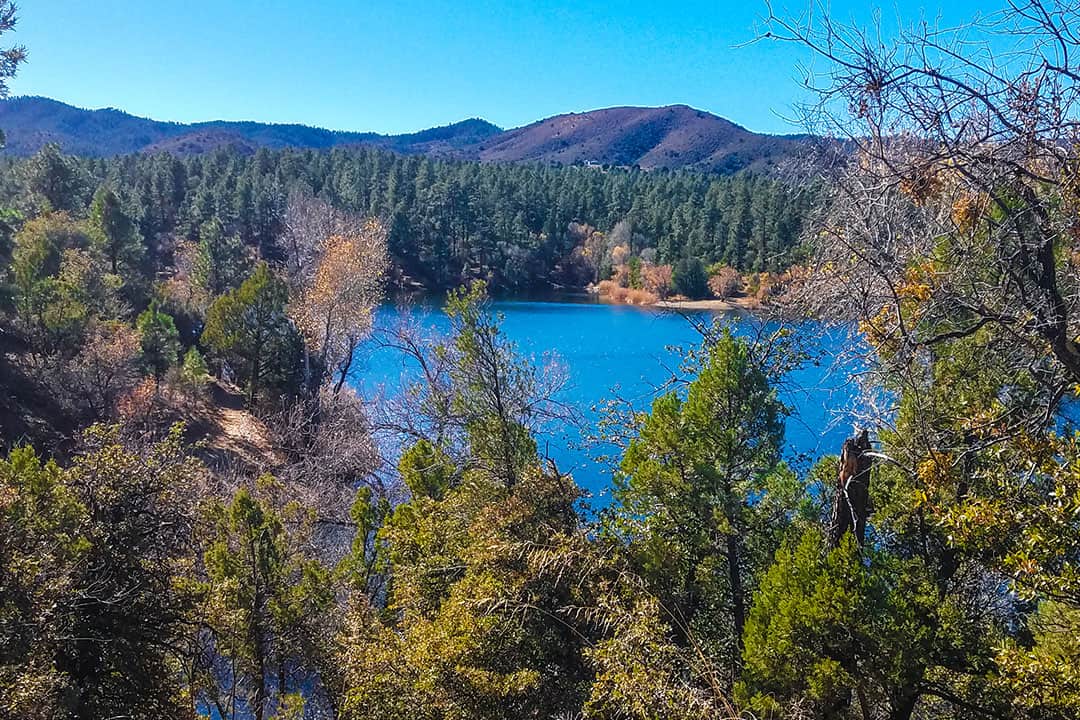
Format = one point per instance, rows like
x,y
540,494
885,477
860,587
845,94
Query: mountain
x,y
669,137
30,122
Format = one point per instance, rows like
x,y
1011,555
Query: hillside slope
x,y
671,137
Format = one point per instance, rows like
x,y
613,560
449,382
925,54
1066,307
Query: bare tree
x,y
960,193
102,371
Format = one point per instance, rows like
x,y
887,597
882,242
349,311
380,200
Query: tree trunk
x,y
903,707
738,601
851,505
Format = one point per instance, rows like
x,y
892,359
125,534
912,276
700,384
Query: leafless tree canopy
x,y
958,207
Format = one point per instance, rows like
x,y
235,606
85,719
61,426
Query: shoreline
x,y
731,305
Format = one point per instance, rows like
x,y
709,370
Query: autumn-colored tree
x,y
725,281
334,308
104,369
657,279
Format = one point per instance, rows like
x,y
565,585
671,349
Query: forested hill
x,y
517,226
673,137
31,122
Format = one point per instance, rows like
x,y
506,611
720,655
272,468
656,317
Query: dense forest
x,y
197,518
518,227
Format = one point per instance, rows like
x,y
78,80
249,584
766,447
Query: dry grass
x,y
612,292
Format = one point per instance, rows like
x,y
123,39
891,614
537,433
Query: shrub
x,y
725,282
159,339
612,292
194,375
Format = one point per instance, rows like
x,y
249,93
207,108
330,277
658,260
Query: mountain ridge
x,y
667,137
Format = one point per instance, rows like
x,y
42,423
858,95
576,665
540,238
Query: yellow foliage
x,y
967,208
917,283
878,329
335,309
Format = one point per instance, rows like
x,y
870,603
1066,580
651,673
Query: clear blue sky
x,y
397,66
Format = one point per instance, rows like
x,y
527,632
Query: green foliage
x,y
221,260
40,544
114,235
695,502
60,287
159,340
10,57
10,220
469,632
1043,678
193,371
469,629
365,566
265,602
54,181
634,268
249,329
828,628
641,674
89,613
39,247
691,279
426,470
1022,517
450,222
497,397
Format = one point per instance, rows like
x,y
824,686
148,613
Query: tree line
x,y
448,222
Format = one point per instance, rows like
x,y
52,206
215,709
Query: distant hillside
x,y
670,137
30,122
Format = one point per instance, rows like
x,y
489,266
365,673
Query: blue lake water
x,y
615,348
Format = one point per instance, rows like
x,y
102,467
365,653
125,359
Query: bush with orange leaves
x,y
725,282
103,369
141,406
657,279
612,292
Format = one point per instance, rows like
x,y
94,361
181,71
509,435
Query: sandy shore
x,y
734,304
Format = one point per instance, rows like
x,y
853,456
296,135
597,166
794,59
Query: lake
x,y
625,349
